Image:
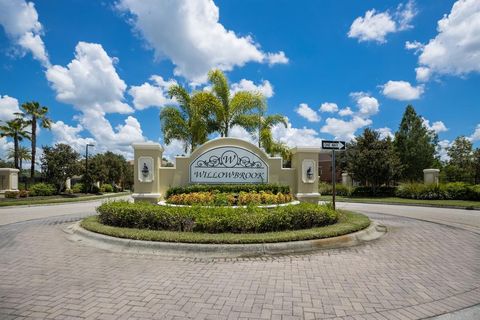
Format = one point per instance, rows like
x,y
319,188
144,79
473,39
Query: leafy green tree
x,y
415,145
23,154
59,163
109,168
372,161
189,121
228,109
15,129
34,115
476,166
460,167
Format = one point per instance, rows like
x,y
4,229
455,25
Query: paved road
x,y
418,270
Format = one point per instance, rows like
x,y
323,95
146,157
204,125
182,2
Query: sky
x,y
333,68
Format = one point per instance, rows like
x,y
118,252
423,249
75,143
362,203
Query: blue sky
x,y
332,67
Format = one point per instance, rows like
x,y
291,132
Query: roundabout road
x,y
417,270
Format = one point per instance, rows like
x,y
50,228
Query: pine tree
x,y
415,145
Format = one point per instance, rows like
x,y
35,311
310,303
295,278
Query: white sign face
x,y
145,169
228,165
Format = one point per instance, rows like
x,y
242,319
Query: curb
x,y
79,234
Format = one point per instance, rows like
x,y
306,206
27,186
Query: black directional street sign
x,y
333,145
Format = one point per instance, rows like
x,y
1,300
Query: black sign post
x,y
334,145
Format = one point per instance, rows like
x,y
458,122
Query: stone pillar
x,y
305,162
68,184
9,179
147,161
430,176
347,179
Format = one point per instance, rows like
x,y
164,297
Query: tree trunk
x,y
34,146
15,151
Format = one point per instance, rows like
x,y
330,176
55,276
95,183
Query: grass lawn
x,y
434,203
348,222
57,199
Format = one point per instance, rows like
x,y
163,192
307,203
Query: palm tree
x,y
263,125
189,121
227,109
23,154
34,113
15,129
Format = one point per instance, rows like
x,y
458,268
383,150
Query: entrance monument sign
x,y
224,161
228,165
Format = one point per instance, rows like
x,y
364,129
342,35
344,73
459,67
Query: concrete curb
x,y
77,233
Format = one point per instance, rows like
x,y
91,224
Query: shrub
x,y
382,191
11,194
23,193
229,199
325,188
106,187
42,189
78,188
422,191
229,188
215,220
474,192
456,190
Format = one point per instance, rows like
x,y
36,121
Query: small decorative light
x,y
309,173
145,170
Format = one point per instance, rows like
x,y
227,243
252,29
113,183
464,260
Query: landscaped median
x,y
58,199
225,231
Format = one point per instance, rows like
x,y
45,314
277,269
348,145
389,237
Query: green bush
x,y
106,187
229,188
78,187
215,220
474,192
456,190
11,194
42,189
451,191
382,191
229,199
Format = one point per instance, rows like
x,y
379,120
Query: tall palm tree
x,y
23,154
189,121
15,129
263,126
35,113
228,107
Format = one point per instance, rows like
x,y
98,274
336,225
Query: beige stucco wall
x,y
8,179
166,177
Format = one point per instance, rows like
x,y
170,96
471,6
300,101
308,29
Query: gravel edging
x,y
79,234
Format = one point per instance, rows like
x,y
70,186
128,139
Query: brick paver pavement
x,y
417,270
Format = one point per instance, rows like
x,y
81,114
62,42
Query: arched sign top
x,y
228,164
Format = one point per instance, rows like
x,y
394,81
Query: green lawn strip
x,y
50,200
395,200
348,222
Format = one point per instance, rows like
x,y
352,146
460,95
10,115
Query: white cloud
x,y
240,132
442,149
5,146
385,132
20,22
345,112
152,95
90,81
8,106
476,134
402,90
308,113
63,133
437,126
415,46
293,137
342,129
189,33
328,107
375,26
423,74
91,84
264,88
367,105
456,48
175,148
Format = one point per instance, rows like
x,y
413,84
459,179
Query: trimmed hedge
x,y
448,191
42,190
229,199
215,220
229,188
